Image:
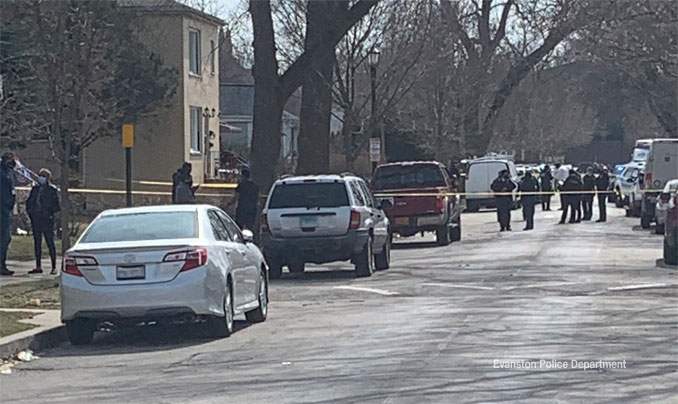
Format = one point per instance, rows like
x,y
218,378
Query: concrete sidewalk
x,y
49,332
21,269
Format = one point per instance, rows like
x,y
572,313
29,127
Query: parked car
x,y
671,232
178,263
629,186
324,218
419,196
661,166
482,171
663,203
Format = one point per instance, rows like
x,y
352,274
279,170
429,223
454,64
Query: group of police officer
x,y
576,194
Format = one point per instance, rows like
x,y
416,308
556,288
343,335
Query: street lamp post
x,y
373,61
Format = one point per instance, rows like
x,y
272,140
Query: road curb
x,y
37,342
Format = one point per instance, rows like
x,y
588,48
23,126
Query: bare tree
x,y
272,89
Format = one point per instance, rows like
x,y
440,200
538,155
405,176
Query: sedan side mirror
x,y
385,204
247,236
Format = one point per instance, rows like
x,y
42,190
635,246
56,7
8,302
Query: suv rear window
x,y
309,195
410,176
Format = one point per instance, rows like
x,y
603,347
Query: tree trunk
x,y
347,133
268,104
316,99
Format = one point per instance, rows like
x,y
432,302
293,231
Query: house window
x,y
196,129
213,62
194,51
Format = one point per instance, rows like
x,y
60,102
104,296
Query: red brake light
x,y
263,223
71,264
193,258
355,220
648,180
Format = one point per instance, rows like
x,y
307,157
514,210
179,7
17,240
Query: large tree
x,y
272,88
85,72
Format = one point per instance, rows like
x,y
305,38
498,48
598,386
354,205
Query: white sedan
x,y
178,263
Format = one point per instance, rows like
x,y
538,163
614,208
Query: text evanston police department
x,y
558,364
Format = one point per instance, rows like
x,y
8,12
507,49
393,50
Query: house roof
x,y
236,99
170,7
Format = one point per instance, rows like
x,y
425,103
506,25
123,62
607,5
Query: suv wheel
x,y
80,332
443,235
364,261
659,228
670,253
383,259
455,232
296,266
275,267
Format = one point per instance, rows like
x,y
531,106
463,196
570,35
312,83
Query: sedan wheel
x,y
80,332
223,326
259,314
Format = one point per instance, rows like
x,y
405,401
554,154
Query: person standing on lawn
x,y
7,200
41,205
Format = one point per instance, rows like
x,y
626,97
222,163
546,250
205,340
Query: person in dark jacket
x,y
7,200
528,186
503,184
41,205
572,199
546,180
602,185
588,187
183,191
246,195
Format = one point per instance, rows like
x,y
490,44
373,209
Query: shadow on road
x,y
324,274
405,245
144,339
661,264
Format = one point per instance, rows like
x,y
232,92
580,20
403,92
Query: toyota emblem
x,y
129,258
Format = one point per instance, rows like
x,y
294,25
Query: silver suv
x,y
322,219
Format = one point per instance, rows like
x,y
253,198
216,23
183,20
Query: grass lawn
x,y
21,249
9,322
17,296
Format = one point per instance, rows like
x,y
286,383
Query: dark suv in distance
x,y
420,197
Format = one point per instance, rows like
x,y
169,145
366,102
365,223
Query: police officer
x,y
528,198
247,195
183,191
602,185
503,184
41,205
588,187
572,198
546,179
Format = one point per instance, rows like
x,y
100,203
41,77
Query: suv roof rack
x,y
347,174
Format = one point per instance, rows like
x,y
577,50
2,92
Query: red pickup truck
x,y
418,193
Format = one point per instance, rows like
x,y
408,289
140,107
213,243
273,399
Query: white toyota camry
x,y
177,263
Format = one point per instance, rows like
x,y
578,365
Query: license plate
x,y
137,272
405,221
308,221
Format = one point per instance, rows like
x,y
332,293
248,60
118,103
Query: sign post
x,y
128,143
375,152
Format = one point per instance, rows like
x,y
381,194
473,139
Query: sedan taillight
x,y
71,264
193,258
263,223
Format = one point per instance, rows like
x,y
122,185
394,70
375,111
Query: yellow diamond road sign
x,y
127,135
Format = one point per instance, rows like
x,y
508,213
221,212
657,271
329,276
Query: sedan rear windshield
x,y
142,227
309,195
414,176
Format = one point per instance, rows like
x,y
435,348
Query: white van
x,y
481,172
661,167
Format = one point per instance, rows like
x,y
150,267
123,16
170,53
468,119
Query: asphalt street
x,y
435,328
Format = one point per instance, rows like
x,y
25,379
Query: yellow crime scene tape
x,y
489,193
123,192
227,185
